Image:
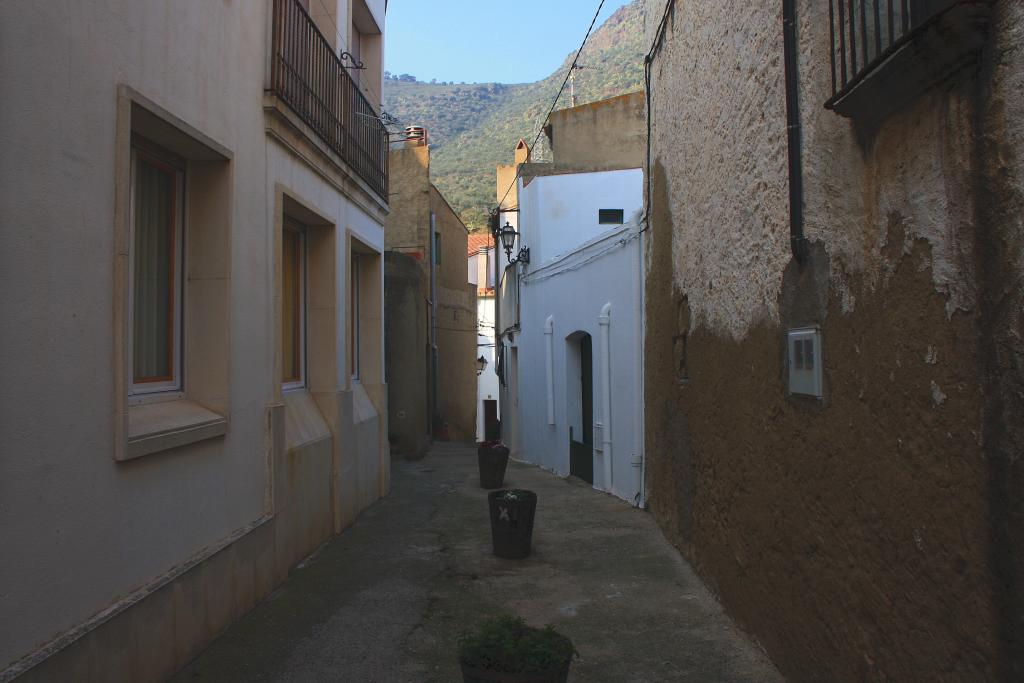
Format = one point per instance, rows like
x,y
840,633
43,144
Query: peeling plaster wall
x,y
726,51
922,180
875,534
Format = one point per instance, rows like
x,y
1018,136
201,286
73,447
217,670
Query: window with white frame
x,y
293,305
157,240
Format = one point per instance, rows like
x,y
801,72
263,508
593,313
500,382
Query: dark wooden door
x,y
492,430
581,453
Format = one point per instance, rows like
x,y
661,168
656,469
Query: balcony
x,y
308,76
885,52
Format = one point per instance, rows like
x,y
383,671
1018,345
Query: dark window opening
x,y
611,216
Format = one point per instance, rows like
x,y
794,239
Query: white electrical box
x,y
804,358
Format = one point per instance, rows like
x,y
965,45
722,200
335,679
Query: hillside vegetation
x,y
474,127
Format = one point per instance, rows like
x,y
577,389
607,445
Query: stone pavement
x,y
385,600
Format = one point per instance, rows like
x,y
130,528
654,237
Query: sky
x,y
483,41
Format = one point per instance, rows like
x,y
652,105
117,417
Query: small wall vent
x,y
804,359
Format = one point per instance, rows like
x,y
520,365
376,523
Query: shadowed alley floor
x,y
385,600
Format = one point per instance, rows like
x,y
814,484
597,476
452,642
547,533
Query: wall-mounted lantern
x,y
508,236
481,365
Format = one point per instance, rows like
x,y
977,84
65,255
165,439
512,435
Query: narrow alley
x,y
385,600
734,289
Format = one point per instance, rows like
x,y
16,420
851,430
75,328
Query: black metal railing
x,y
865,32
308,76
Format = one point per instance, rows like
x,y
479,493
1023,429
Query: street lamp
x,y
481,365
508,236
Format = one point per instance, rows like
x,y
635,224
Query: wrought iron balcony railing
x,y
868,35
308,76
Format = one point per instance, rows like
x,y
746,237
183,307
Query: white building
x,y
570,323
578,360
192,370
482,259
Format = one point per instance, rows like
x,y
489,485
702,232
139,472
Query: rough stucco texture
x,y
873,535
727,50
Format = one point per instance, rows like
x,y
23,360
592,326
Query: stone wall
x,y
456,326
875,534
408,225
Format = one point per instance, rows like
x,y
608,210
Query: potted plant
x,y
505,650
492,457
512,514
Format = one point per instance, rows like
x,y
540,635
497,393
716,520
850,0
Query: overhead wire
x,y
554,103
584,258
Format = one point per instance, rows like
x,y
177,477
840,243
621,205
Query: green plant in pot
x,y
504,649
492,458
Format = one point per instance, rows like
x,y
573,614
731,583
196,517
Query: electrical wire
x,y
554,103
569,265
648,62
457,329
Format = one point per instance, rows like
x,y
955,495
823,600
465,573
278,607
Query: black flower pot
x,y
492,461
512,513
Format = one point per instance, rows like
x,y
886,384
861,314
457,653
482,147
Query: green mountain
x,y
474,127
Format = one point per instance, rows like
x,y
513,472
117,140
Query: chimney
x,y
415,136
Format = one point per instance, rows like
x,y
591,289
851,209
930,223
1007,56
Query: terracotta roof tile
x,y
477,241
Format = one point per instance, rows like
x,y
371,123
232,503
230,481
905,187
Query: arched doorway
x,y
580,408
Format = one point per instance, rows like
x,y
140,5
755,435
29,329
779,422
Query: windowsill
x,y
303,422
155,427
155,397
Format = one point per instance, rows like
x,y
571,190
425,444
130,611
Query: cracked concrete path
x,y
385,600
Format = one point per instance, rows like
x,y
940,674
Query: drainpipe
x,y
433,323
604,320
637,461
549,352
797,241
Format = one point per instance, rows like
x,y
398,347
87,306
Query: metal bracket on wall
x,y
347,56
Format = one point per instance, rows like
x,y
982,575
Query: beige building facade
x,y
833,376
430,311
194,399
604,135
